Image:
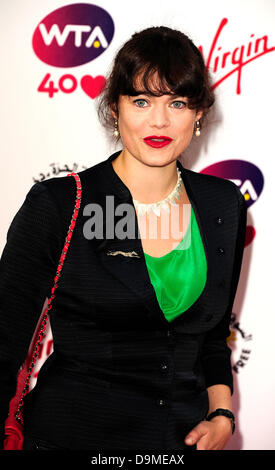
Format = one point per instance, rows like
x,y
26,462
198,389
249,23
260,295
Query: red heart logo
x,y
249,235
92,86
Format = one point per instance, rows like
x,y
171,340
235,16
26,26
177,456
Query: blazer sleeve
x,y
216,353
27,270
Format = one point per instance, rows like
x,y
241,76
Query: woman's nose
x,y
159,117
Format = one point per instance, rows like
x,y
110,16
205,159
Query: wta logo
x,y
73,35
245,175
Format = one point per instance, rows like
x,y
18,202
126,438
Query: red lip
x,y
157,144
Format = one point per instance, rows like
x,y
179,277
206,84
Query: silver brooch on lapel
x,y
131,254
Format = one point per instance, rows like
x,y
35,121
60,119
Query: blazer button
x,y
163,367
219,220
221,250
161,402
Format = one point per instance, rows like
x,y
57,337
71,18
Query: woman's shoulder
x,y
212,185
63,186
208,178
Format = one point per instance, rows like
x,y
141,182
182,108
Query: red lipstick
x,y
157,141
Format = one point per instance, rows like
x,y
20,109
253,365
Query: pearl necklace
x,y
164,203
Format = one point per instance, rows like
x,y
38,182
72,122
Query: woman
x,y
140,320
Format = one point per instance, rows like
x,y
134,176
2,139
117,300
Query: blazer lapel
x,y
124,259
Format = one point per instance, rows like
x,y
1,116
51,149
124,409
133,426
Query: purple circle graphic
x,y
73,35
247,176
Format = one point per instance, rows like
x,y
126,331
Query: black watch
x,y
222,412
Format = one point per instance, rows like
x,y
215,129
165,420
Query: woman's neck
x,y
146,183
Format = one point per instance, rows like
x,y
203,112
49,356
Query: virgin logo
x,y
73,35
219,62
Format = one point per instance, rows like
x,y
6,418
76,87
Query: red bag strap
x,y
44,319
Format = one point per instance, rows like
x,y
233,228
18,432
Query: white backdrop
x,y
46,136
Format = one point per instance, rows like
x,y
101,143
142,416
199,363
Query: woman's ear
x,y
199,115
113,109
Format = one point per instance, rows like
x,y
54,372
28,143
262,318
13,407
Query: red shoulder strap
x,y
28,368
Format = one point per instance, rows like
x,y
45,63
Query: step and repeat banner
x,y
55,57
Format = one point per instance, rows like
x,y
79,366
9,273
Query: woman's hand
x,y
210,435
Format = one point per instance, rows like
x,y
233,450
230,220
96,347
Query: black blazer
x,y
121,376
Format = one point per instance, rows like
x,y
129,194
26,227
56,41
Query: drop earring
x,y
116,131
197,129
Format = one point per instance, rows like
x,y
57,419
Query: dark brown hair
x,y
157,51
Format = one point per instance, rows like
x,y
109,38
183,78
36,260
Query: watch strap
x,y
223,412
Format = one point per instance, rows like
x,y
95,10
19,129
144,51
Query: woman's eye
x,y
140,103
179,104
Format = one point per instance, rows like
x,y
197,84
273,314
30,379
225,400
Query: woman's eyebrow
x,y
178,96
142,92
147,93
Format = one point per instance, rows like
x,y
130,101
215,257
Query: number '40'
x,y
47,85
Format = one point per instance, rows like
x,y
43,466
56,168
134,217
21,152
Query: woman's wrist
x,y
222,416
223,423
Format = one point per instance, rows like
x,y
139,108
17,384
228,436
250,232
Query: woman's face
x,y
144,116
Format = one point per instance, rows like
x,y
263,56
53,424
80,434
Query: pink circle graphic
x,y
73,35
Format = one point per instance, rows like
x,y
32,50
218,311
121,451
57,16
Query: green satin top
x,y
179,276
